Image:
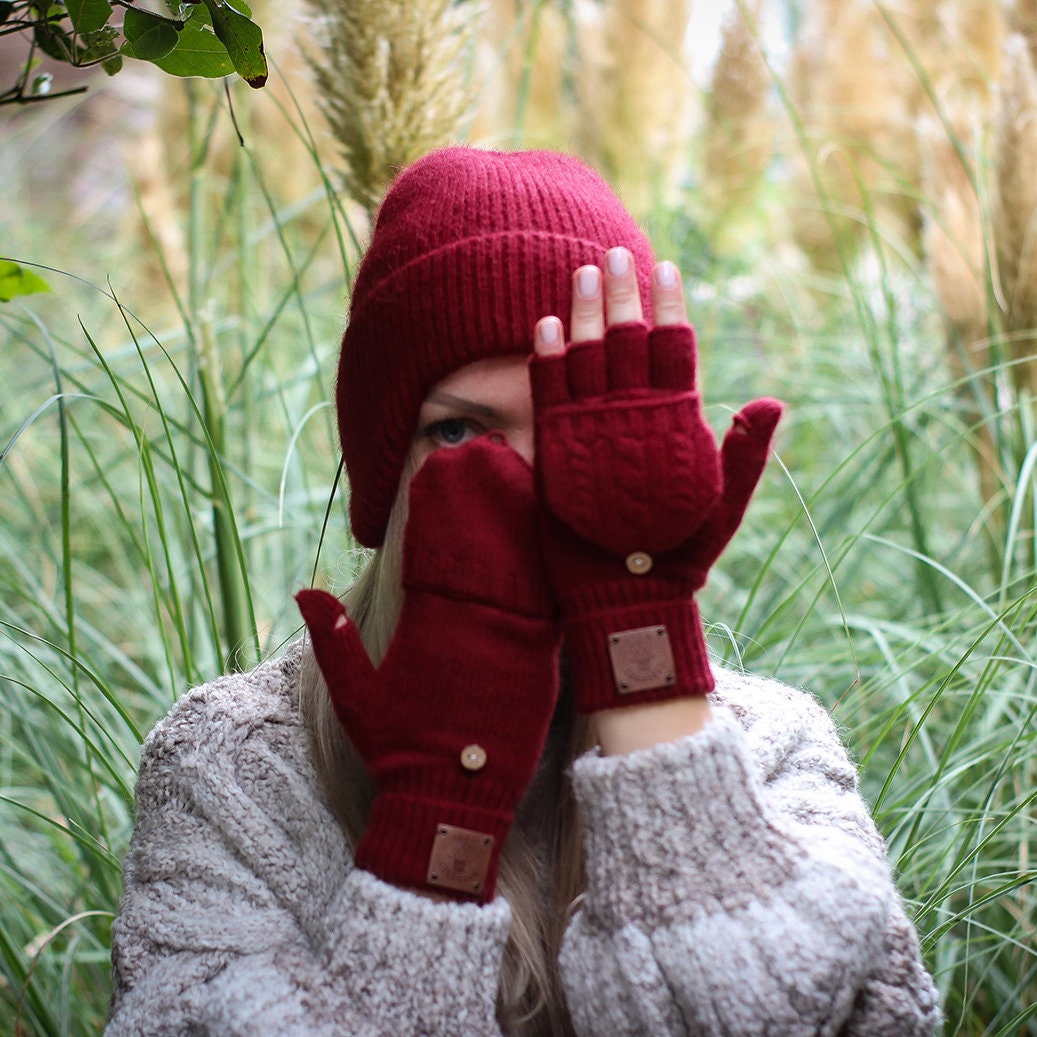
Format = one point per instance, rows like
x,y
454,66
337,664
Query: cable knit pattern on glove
x,y
620,433
737,886
639,504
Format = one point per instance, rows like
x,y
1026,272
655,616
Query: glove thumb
x,y
742,459
340,653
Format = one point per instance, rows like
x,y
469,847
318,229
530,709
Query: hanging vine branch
x,y
208,38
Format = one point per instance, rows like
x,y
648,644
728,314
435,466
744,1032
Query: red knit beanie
x,y
470,249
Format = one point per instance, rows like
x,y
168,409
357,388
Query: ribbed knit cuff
x,y
420,844
410,963
680,815
630,655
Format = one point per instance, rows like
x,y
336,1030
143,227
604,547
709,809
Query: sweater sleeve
x,y
737,885
243,914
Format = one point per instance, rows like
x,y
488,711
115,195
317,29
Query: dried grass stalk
x,y
854,94
522,58
155,149
739,133
953,238
1015,203
161,204
392,76
634,93
953,230
1023,19
979,39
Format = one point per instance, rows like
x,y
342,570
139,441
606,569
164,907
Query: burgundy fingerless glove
x,y
452,724
638,504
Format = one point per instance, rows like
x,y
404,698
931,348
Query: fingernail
x,y
666,275
549,334
618,260
588,281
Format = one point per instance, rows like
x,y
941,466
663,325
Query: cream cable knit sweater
x,y
736,886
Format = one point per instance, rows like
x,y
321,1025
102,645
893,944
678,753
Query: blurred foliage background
x,y
848,186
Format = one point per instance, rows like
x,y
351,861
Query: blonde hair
x,y
541,867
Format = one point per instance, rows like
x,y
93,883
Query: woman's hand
x,y
605,298
452,724
639,500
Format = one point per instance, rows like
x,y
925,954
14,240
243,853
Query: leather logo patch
x,y
460,859
642,659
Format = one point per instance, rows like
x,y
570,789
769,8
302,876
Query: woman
x,y
414,826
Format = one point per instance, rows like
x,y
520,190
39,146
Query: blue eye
x,y
450,431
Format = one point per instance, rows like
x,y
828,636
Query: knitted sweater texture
x,y
736,885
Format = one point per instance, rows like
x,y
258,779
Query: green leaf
x,y
97,46
88,15
16,280
168,10
112,65
243,40
197,53
54,41
148,37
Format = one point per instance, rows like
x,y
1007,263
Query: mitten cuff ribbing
x,y
636,654
426,845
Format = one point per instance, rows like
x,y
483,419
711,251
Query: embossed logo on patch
x,y
460,859
642,659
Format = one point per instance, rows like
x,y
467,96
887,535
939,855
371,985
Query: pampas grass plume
x,y
393,83
738,135
1015,202
953,234
979,32
856,105
522,56
635,91
1023,18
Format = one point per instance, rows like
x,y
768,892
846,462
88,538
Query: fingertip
x,y
587,282
619,262
668,294
548,337
587,314
666,275
622,288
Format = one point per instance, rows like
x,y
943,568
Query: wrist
x,y
622,731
